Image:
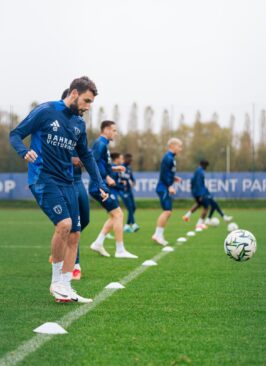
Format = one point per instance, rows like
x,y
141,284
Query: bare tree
x,y
148,118
101,115
116,115
133,119
263,127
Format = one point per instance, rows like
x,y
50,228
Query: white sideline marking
x,y
30,346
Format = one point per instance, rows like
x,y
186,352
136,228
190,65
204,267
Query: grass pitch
x,y
197,307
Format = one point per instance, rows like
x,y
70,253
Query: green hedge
x,y
150,203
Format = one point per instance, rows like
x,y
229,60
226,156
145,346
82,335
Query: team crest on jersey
x,y
77,131
58,209
55,125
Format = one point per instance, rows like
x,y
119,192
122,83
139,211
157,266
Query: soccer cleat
x,y
202,226
128,229
227,218
76,274
125,254
185,218
60,292
109,236
100,249
159,240
207,221
77,298
135,227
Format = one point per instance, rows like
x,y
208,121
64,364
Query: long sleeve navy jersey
x,y
103,159
167,172
117,177
55,133
198,187
128,176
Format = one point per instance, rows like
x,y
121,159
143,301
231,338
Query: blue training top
x,y
128,176
103,159
167,172
198,188
55,133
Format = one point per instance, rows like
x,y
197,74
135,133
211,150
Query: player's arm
x,y
87,157
118,168
76,160
99,149
166,167
29,125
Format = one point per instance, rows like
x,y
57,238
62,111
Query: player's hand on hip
x,y
110,181
178,179
119,168
104,195
76,162
31,156
171,190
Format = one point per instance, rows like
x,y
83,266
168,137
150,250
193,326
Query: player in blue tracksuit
x,y
200,193
115,222
56,130
165,188
127,195
203,198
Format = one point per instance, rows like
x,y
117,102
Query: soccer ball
x,y
215,222
240,245
232,226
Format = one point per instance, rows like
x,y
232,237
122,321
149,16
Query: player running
x,y
127,195
115,222
165,188
56,129
203,198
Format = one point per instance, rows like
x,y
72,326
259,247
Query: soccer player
x,y
56,129
127,195
202,197
165,188
115,221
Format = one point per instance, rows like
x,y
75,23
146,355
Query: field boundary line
x,y
32,345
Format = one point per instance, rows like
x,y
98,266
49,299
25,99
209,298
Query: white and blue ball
x,y
240,245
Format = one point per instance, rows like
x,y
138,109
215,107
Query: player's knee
x,y
168,213
64,227
117,214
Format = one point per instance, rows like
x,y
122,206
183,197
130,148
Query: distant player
x,y
214,206
203,198
115,221
56,129
165,187
127,194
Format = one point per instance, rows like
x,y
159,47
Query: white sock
x,y
77,266
159,231
66,278
119,246
100,238
188,214
200,222
56,271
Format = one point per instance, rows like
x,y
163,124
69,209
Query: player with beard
x,y
56,130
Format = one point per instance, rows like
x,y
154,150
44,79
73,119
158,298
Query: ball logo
x,y
58,209
77,131
112,196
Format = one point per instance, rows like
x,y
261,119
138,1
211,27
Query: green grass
x,y
197,307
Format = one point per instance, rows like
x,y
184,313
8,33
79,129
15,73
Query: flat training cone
x,y
191,233
149,263
198,229
167,249
181,240
50,328
114,285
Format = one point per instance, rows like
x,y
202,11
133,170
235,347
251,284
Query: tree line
x,y
225,148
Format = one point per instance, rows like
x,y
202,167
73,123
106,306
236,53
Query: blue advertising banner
x,y
221,185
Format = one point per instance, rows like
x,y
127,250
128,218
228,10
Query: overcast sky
x,y
182,55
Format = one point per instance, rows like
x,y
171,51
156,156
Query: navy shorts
x,y
110,204
58,202
166,200
202,201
